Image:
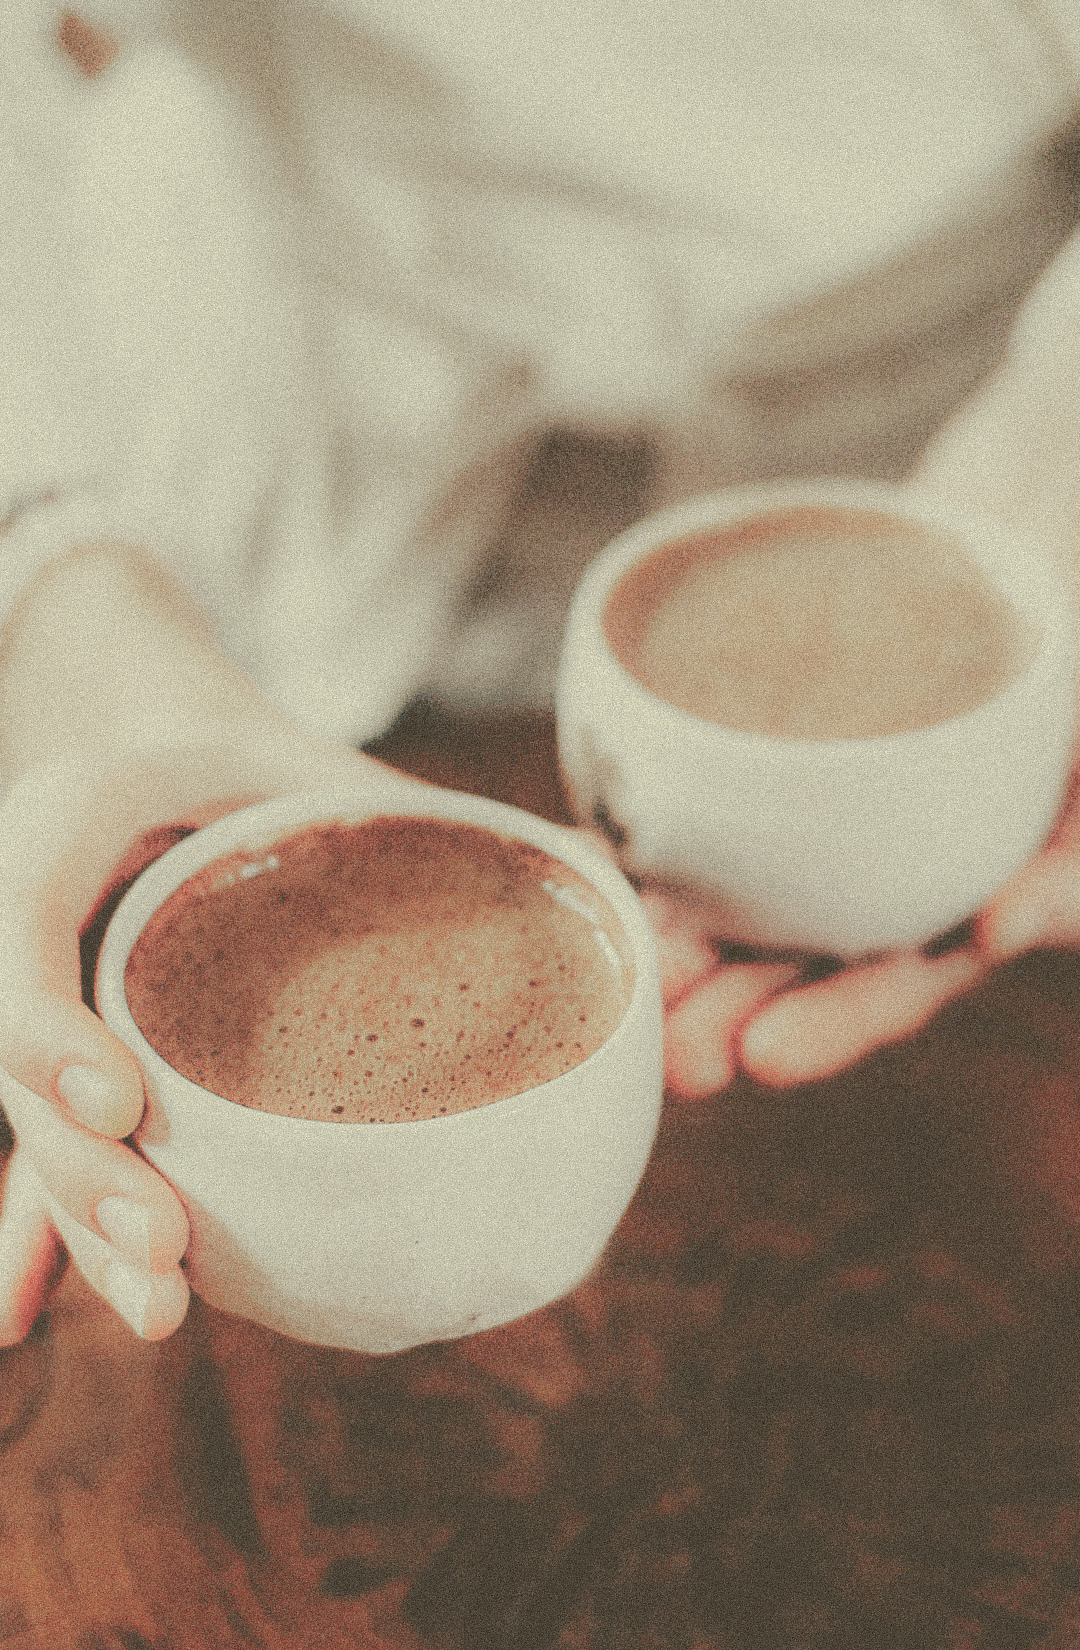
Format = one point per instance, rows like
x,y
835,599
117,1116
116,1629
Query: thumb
x,y
50,1042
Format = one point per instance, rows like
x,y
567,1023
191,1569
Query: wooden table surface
x,y
822,1393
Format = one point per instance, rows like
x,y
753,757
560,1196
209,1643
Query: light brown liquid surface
x,y
817,623
397,969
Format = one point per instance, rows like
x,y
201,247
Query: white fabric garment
x,y
292,290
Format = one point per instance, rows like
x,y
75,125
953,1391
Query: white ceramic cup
x,y
382,1236
839,845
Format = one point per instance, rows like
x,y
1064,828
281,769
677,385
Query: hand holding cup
x,y
376,1198
827,719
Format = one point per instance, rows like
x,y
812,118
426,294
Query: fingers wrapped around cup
x,y
402,1055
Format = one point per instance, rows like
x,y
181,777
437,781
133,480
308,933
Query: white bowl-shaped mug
x,y
843,845
382,1236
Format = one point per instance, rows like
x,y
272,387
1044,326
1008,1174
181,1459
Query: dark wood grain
x,y
822,1392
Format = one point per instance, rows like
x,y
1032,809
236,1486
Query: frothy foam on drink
x,y
396,969
817,623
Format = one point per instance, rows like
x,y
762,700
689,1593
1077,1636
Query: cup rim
x,y
261,824
1003,553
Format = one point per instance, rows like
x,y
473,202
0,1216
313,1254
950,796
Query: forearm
x,y
104,653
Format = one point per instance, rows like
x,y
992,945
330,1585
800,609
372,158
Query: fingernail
x,y
128,1291
127,1224
91,1096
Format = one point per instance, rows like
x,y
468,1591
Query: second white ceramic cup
x,y
841,845
382,1236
